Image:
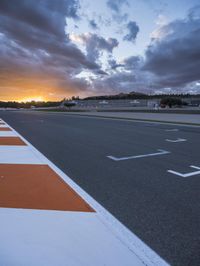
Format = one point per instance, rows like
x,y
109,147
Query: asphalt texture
x,y
161,208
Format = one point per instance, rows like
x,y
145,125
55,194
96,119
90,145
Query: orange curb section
x,y
37,187
16,141
5,129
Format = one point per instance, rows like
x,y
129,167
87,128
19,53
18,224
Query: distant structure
x,y
67,103
62,104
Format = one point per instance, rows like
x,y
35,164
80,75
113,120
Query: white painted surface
x,y
18,155
56,238
186,174
4,126
7,134
176,140
24,237
160,152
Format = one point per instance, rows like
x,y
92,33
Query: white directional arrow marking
x,y
176,140
187,174
161,152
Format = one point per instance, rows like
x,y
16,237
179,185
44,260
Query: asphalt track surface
x,y
161,208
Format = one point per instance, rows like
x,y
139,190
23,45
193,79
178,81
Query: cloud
x,y
93,24
133,30
119,18
171,63
43,16
121,81
113,64
124,76
116,5
133,62
194,13
95,44
36,49
23,73
174,57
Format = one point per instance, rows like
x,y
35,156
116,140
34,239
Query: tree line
x,y
18,105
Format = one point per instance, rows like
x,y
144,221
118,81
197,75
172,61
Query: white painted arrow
x,y
176,140
187,174
161,152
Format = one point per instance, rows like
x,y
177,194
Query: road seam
x,y
139,120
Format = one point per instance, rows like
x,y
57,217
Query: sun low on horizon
x,y
31,99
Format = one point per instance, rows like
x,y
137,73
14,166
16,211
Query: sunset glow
x,y
35,99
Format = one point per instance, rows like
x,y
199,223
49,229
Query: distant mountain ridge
x,y
120,96
137,95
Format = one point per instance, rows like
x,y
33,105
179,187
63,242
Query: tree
x,y
169,101
69,104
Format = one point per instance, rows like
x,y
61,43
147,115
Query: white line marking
x,y
4,125
161,152
187,174
172,130
136,245
7,134
18,155
176,140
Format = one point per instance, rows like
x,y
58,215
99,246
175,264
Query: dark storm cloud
x,y
32,36
133,62
20,67
46,15
175,58
124,76
34,42
133,30
121,81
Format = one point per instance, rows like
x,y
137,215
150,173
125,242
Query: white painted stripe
x,y
4,125
172,130
161,152
187,174
18,155
137,247
176,140
7,134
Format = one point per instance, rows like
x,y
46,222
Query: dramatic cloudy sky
x,y
51,49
